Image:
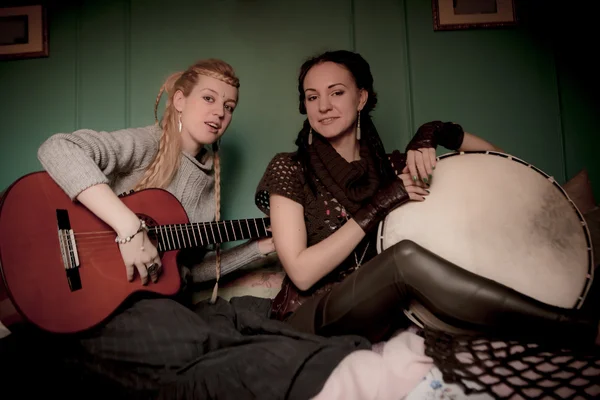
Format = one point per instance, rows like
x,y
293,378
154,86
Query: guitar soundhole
x,y
147,219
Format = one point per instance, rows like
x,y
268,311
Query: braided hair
x,y
361,71
163,168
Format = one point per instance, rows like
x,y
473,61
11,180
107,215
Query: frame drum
x,y
502,218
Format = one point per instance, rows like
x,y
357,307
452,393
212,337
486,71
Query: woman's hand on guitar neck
x,y
266,245
138,253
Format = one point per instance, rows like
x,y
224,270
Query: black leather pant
x,y
370,298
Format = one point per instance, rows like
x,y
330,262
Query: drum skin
x,y
499,217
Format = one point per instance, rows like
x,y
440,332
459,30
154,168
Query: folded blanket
x,y
389,372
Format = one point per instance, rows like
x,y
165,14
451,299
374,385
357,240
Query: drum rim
x,y
589,279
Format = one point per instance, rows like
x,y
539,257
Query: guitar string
x,y
94,241
183,227
89,245
86,246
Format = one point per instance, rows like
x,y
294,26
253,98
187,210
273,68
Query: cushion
x,y
592,301
579,189
262,279
592,218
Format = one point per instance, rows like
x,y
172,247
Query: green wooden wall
x,y
516,87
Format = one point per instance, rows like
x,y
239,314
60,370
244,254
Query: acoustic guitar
x,y
60,268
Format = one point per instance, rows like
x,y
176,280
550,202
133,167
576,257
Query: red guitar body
x,y
34,279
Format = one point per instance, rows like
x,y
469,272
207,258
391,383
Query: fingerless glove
x,y
434,133
382,203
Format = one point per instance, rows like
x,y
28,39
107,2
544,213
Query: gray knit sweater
x,y
85,158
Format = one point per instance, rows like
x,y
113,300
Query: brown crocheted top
x,y
326,212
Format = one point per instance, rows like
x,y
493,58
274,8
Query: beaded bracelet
x,y
128,238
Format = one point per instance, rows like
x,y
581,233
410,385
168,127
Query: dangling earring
x,y
358,128
179,122
310,137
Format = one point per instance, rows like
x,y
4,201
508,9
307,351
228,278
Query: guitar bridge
x,y
68,249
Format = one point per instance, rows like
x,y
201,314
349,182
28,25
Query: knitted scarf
x,y
351,183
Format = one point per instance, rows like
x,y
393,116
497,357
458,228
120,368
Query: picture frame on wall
x,y
472,14
23,32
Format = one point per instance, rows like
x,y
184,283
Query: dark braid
x,y
383,165
303,156
361,71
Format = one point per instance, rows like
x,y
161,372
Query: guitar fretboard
x,y
180,236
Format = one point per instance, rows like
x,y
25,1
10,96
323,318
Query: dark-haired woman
x,y
326,199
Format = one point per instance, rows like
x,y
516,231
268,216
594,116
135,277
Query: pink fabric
x,y
389,373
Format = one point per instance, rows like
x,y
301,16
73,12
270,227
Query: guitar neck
x,y
180,236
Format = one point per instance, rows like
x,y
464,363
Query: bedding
x,y
433,387
269,360
389,371
243,355
411,367
262,282
408,366
429,370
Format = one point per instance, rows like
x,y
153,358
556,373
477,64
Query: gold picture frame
x,y
471,14
23,32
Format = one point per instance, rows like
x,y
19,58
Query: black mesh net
x,y
513,370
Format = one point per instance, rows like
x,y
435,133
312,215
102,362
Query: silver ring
x,y
152,268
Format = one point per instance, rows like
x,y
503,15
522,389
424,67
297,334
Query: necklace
x,y
358,263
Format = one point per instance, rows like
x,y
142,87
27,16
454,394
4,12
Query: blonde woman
x,y
137,346
94,167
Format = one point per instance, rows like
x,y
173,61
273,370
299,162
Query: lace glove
x,y
382,203
434,133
